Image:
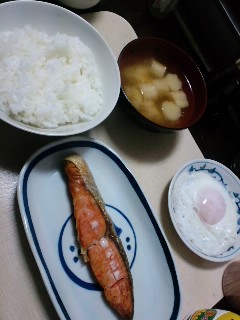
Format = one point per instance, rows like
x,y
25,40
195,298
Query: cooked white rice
x,y
48,81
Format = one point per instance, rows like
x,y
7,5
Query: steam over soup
x,y
155,92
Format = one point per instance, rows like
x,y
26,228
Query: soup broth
x,y
156,91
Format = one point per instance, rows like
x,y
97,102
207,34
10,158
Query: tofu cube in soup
x,y
161,84
180,99
173,81
134,95
158,69
148,91
171,111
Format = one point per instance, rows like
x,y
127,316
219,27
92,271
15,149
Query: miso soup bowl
x,y
177,62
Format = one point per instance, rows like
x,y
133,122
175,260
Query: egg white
x,y
211,240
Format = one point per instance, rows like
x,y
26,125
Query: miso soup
x,y
156,91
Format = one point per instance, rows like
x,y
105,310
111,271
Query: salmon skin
x,y
99,243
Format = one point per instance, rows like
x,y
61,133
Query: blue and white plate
x,y
48,220
231,183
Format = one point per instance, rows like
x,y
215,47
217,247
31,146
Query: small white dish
x,y
222,175
46,212
51,19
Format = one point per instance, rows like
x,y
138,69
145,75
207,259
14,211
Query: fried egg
x,y
205,212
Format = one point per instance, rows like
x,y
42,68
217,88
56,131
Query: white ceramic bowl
x,y
80,4
232,184
51,19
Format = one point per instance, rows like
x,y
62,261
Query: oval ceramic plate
x,y
46,212
50,18
232,184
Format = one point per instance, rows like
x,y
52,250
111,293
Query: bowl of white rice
x,y
58,76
